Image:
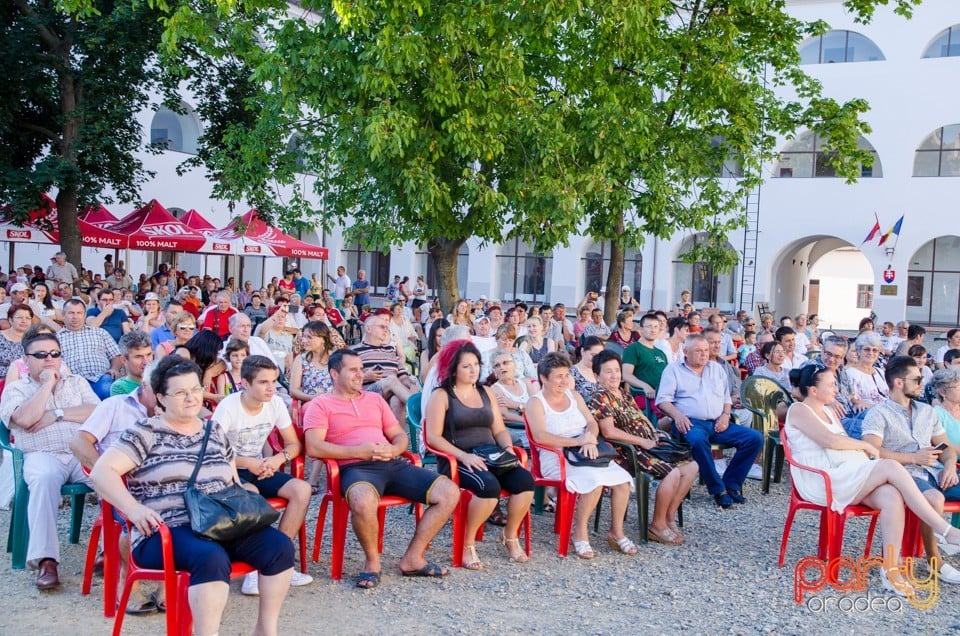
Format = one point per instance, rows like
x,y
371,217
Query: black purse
x,y
605,454
671,450
226,515
493,455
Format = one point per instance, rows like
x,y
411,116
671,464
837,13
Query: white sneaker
x,y
949,549
251,584
300,579
756,472
949,574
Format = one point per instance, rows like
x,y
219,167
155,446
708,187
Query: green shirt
x,y
124,385
648,364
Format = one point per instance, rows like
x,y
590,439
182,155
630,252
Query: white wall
x,y
839,272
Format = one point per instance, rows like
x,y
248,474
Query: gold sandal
x,y
474,563
506,543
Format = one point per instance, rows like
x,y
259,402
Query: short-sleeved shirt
x,y
164,461
65,273
112,417
364,419
383,355
340,286
904,431
124,385
247,431
55,439
161,334
648,363
113,325
361,292
88,351
700,396
218,321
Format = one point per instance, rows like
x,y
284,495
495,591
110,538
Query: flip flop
x,y
430,570
145,608
368,580
161,605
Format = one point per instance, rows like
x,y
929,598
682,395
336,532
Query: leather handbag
x,y
605,454
495,457
671,450
226,515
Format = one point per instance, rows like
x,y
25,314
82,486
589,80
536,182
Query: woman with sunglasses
x,y
184,326
869,386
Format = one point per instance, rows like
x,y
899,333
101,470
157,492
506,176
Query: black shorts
x,y
268,487
396,477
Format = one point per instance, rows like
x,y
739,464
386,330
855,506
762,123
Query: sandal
x,y
665,536
368,580
583,550
941,536
430,571
497,517
623,545
474,563
520,556
677,531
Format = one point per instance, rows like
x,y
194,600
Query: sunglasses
x,y
43,355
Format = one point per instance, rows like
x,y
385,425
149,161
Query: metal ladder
x,y
751,236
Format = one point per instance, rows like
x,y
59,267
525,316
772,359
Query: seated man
x,y
110,315
693,392
44,410
137,354
358,429
907,430
217,319
384,371
89,352
643,361
247,418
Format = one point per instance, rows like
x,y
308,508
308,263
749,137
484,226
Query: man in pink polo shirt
x,y
358,429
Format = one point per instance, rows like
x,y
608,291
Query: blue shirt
x,y
160,334
361,293
699,396
302,285
113,325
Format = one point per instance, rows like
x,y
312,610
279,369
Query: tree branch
x,y
47,37
41,130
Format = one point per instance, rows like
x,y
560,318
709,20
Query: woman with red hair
x,y
461,416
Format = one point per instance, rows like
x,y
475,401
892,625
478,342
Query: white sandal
x,y
941,536
583,549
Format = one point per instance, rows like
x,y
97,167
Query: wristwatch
x,y
286,455
58,413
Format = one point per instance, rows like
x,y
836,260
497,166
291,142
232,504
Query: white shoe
x,y
756,472
251,584
948,549
949,574
300,579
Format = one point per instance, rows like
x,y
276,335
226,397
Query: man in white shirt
x,y
247,418
483,339
340,284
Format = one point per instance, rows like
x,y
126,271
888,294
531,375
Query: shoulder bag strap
x,y
203,451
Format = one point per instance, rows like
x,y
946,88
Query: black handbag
x,y
495,457
671,450
226,515
605,454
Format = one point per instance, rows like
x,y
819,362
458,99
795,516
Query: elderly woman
x,y
183,328
857,473
526,370
584,379
164,449
537,344
620,420
461,416
11,349
559,418
774,355
512,395
625,334
867,382
946,385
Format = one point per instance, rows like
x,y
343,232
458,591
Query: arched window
x,y
804,157
596,265
171,131
939,154
933,282
946,44
838,47
707,286
375,262
433,281
523,273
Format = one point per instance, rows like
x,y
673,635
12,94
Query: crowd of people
x,y
118,376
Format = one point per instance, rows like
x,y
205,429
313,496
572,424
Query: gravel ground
x,y
724,580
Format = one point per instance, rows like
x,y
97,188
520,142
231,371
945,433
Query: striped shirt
x,y
386,357
165,459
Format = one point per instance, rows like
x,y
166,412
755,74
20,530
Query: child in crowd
x,y
236,352
749,346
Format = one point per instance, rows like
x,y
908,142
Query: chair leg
x,y
459,527
873,527
91,557
778,463
786,534
643,505
381,524
525,526
77,503
19,530
340,512
318,533
303,547
596,514
566,502
767,464
539,493
955,520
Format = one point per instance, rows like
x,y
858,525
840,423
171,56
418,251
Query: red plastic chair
x,y
175,582
831,523
912,545
460,514
566,500
296,469
341,511
111,562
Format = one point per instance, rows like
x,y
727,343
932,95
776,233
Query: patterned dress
x,y
9,351
315,380
630,419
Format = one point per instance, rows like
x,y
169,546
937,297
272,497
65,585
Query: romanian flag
x,y
874,230
894,231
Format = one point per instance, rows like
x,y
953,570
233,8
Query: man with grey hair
x,y
62,271
693,392
137,353
832,353
241,328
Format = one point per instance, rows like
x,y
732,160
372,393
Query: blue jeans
x,y
929,483
101,386
747,441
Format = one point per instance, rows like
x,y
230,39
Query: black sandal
x,y
368,580
497,517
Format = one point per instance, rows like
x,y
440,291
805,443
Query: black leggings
x,y
486,484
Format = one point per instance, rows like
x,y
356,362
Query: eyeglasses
x,y
182,394
43,355
830,354
186,327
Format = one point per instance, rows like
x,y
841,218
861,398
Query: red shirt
x,y
218,321
334,315
287,285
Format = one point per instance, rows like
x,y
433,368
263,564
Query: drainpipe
x,y
653,290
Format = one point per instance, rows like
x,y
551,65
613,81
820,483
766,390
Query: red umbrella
x,y
98,215
39,227
196,221
152,227
259,239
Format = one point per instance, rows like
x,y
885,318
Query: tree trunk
x,y
70,239
445,253
614,276
70,96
